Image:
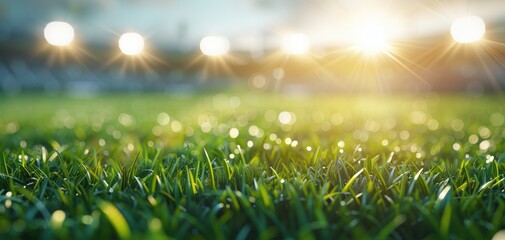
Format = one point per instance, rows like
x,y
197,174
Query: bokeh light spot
x,y
296,44
214,45
468,29
59,33
131,43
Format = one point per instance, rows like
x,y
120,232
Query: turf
x,y
251,166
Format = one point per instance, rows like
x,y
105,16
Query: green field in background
x,y
249,166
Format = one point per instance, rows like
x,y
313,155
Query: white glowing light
x,y
234,133
296,44
214,45
286,118
370,38
468,29
131,43
59,33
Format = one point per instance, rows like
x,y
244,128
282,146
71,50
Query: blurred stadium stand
x,y
175,27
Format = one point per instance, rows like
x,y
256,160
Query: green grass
x,y
112,166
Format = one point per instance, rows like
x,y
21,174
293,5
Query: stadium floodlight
x,y
59,33
131,43
215,45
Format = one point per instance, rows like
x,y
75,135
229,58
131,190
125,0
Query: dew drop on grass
x,y
116,134
155,224
12,127
130,147
337,119
433,124
473,139
456,146
294,143
157,130
404,135
101,142
309,148
163,119
484,132
57,219
457,125
206,127
267,146
176,126
272,137
250,144
126,119
413,148
418,117
489,159
497,119
484,145
288,141
234,102
385,142
500,235
253,130
286,118
234,133
341,144
8,203
87,219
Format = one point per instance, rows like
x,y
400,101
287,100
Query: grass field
x,y
244,166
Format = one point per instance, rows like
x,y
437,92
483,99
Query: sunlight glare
x,y
214,45
296,44
468,29
370,39
131,43
59,33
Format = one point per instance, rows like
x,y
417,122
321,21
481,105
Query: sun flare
x,y
296,44
468,29
370,38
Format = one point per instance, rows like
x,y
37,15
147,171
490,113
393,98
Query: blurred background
x,y
258,45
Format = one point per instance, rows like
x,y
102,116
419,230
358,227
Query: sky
x,y
249,24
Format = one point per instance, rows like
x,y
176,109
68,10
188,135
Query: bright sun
x,y
370,39
468,29
296,44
